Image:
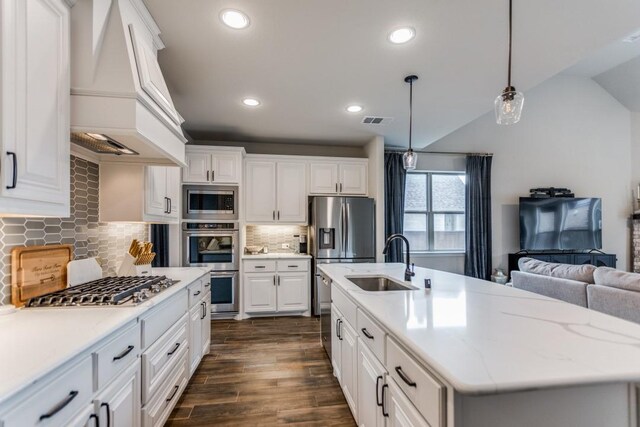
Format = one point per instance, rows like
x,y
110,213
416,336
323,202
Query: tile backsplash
x,y
90,238
273,236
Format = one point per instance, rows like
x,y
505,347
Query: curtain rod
x,y
445,153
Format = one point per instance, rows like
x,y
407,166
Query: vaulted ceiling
x,y
307,60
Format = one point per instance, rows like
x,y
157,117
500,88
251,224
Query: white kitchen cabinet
x,y
205,339
293,292
119,404
276,191
401,411
336,344
371,378
85,418
195,337
260,293
212,165
338,178
277,287
261,191
349,364
138,193
34,91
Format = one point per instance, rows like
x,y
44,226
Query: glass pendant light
x,y
410,157
509,103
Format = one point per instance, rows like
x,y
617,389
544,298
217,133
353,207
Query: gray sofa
x,y
602,289
560,281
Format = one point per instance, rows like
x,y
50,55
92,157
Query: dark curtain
x,y
477,260
394,181
160,239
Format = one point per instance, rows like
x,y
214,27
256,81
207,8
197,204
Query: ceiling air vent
x,y
373,120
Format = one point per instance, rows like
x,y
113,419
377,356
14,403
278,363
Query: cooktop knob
x,y
155,288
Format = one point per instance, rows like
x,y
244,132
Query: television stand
x,y
593,257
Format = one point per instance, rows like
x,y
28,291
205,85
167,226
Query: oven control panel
x,y
209,226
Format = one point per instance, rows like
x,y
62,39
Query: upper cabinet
x,y
275,191
34,120
342,177
213,166
138,193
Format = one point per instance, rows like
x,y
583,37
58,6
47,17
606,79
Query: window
x,y
434,205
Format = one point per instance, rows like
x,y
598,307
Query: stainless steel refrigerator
x,y
342,230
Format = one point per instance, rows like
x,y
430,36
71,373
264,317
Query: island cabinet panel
x,y
371,380
120,402
349,363
422,388
336,343
401,411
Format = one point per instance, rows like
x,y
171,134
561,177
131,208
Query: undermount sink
x,y
379,284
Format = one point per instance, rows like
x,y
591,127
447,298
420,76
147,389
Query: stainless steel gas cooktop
x,y
108,291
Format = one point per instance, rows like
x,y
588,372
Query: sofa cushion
x,y
617,279
613,301
570,291
581,273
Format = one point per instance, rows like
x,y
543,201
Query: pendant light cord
x,y
510,31
410,110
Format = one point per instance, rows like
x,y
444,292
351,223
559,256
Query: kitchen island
x,y
487,354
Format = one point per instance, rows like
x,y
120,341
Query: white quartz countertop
x,y
485,338
35,341
277,255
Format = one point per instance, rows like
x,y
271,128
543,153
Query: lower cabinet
x,y
282,287
371,381
195,337
401,411
119,404
345,358
85,418
205,339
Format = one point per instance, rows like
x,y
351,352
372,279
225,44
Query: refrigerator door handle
x,y
343,227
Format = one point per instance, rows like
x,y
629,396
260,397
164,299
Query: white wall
x,y
572,134
635,154
375,152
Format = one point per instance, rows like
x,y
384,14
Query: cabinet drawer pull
x,y
341,187
174,349
404,377
175,390
278,215
213,175
206,285
274,215
124,353
340,329
197,293
278,280
260,266
108,414
378,402
14,180
204,310
95,417
170,205
366,333
293,266
384,409
60,406
336,187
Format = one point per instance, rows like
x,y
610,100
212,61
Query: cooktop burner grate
x,y
109,291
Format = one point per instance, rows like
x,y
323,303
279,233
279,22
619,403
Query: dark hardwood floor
x,y
264,372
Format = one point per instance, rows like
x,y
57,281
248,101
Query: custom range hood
x,y
121,109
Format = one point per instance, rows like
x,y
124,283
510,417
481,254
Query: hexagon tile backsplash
x,y
90,238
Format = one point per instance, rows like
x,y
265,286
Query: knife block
x,y
128,267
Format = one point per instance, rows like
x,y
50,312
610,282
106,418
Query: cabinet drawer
x,y
196,292
156,412
117,354
424,391
161,318
371,335
58,401
159,359
259,266
293,265
344,304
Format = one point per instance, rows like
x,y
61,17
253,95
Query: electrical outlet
x,y
285,246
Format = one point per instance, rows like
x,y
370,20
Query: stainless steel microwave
x,y
210,202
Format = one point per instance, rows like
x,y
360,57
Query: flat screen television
x,y
560,223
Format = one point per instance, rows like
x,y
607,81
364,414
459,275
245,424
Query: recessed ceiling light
x,y
402,35
234,19
251,102
354,108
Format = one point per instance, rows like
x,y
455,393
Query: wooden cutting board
x,y
38,270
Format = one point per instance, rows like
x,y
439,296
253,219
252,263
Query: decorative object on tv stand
x,y
508,104
499,277
551,192
410,157
137,262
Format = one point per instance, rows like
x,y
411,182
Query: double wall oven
x,y
215,245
